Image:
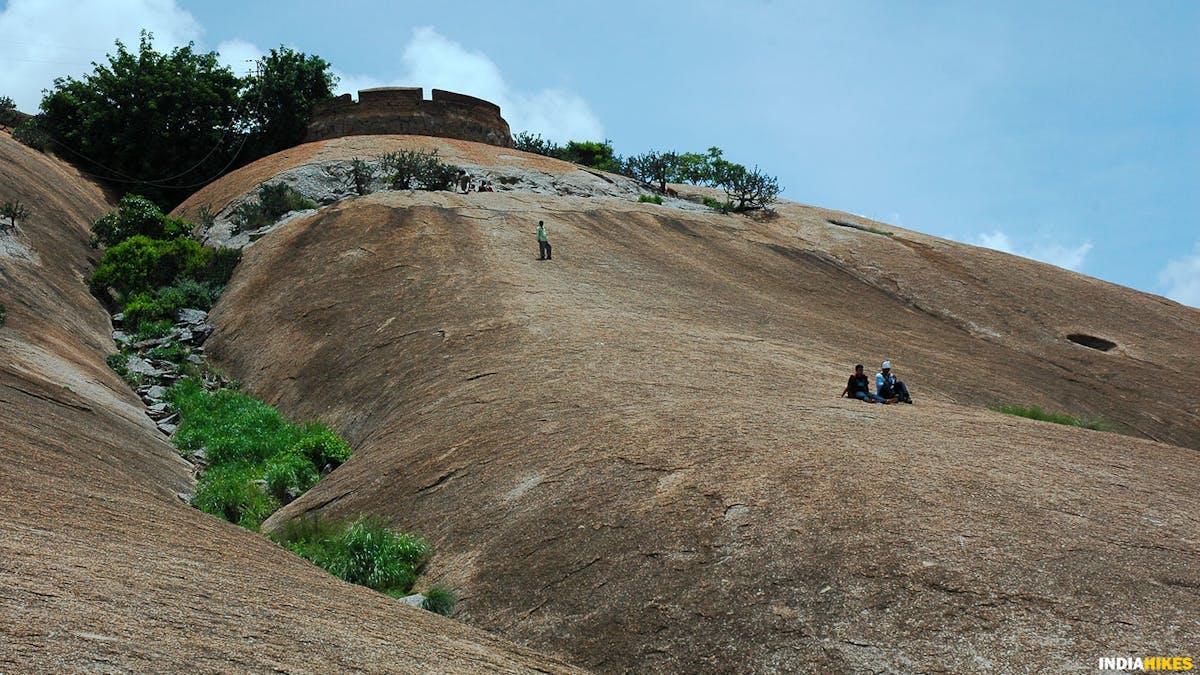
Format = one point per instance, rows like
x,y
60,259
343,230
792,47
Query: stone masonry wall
x,y
403,110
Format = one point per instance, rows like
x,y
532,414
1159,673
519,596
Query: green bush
x,y
408,169
718,205
321,446
141,264
365,552
275,200
136,215
360,176
439,600
161,304
14,212
1037,413
32,134
650,199
150,330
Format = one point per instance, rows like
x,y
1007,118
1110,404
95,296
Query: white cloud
x,y
1181,278
45,39
1065,256
432,61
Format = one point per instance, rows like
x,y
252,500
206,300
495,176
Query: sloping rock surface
x,y
634,456
102,568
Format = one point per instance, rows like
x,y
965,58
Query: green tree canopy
x,y
161,124
279,99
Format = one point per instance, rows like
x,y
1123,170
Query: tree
x,y
14,211
595,154
279,99
9,115
653,167
162,124
745,189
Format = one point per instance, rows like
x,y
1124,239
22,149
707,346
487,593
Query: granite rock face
x,y
635,455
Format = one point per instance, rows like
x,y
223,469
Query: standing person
x,y
888,386
543,242
859,387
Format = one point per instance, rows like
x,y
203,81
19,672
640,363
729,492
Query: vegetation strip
x,y
251,460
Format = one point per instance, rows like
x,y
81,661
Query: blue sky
x,y
1065,131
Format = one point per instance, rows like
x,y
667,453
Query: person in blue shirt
x,y
888,386
859,387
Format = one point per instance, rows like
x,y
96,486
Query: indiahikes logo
x,y
1146,664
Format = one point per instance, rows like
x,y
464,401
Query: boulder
x,y
191,316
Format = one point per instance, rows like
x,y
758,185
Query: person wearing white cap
x,y
888,386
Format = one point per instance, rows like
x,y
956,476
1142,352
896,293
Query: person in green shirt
x,y
543,242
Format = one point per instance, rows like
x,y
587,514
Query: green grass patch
x,y
1034,412
440,600
364,552
257,460
650,199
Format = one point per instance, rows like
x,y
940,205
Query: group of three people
x,y
888,389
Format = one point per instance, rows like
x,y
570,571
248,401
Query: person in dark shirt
x,y
859,387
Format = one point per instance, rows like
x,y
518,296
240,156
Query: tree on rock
x,y
162,124
279,99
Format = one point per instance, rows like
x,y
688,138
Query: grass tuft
x,y
440,600
1034,412
364,552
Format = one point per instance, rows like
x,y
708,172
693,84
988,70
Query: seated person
x,y
889,387
859,387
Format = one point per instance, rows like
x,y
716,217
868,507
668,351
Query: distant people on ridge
x,y
888,386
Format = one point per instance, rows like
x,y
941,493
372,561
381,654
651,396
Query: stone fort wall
x,y
404,110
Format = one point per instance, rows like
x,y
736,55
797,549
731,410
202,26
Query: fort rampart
x,y
404,110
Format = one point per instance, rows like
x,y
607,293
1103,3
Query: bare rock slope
x,y
102,568
634,456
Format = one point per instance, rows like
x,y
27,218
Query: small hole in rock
x,y
1091,341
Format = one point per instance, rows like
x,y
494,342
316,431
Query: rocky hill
x,y
634,456
102,567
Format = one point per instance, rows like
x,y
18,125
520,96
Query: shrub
x,y
274,201
153,329
408,169
31,134
718,205
136,215
365,552
360,176
13,211
3,314
1037,413
439,600
650,199
140,263
322,446
534,143
163,303
9,115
